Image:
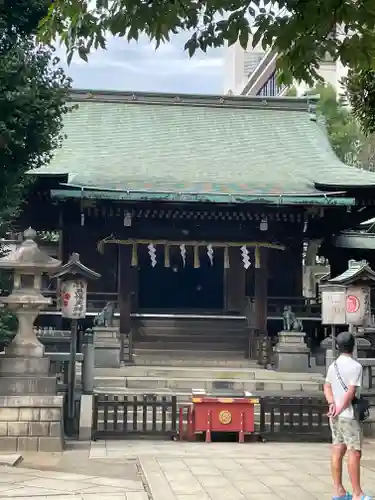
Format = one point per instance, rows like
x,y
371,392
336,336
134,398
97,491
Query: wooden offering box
x,y
223,414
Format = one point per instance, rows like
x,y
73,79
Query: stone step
x,y
190,359
150,384
188,354
251,372
174,344
184,397
217,323
213,339
198,332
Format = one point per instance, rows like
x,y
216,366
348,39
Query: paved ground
x,y
73,475
115,470
229,471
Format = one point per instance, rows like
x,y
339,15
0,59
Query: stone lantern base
x,y
107,346
31,414
292,354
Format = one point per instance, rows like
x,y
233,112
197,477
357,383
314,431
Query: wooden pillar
x,y
235,282
260,286
124,297
60,256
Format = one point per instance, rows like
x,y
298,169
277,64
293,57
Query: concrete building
x,y
252,72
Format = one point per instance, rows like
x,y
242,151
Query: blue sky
x,y
137,66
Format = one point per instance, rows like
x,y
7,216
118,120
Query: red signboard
x,y
352,304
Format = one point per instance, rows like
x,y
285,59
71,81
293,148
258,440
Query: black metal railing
x,y
125,416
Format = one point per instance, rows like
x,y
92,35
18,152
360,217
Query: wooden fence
x,y
294,419
277,418
125,416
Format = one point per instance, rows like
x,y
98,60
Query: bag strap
x,y
344,386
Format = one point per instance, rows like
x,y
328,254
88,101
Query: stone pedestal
x,y
107,346
292,354
31,415
31,423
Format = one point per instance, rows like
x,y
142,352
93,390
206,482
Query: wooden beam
x,y
235,282
124,294
260,286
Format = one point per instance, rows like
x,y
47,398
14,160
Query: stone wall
x,y
31,423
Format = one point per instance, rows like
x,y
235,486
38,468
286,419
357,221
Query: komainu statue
x,y
290,321
105,316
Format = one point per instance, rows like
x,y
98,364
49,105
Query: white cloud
x,y
138,66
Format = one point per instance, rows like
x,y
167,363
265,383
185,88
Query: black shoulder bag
x,y
360,404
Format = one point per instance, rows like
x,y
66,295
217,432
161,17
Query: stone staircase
x,y
173,380
187,340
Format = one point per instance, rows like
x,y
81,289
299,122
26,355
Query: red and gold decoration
x,y
214,414
225,417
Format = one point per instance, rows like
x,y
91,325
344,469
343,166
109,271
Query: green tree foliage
x,y
33,93
343,131
301,31
349,143
361,93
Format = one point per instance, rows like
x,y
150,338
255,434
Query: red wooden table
x,y
222,414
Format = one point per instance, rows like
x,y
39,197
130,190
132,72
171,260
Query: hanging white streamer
x,y
183,254
210,254
245,257
152,254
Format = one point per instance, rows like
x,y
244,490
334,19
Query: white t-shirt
x,y
351,373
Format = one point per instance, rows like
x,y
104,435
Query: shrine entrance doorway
x,y
181,286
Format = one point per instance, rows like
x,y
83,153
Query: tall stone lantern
x,y
30,411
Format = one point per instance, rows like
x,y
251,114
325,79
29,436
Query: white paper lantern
x,y
73,299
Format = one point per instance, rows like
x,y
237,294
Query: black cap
x,y
345,342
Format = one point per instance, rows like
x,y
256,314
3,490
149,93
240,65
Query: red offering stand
x,y
222,414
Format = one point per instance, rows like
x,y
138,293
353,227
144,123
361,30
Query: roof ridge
x,y
222,101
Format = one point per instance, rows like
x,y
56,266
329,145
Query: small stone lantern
x,y
28,263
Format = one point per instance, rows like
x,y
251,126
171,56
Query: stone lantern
x,y
28,263
30,411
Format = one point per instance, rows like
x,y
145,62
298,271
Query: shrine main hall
x,y
195,207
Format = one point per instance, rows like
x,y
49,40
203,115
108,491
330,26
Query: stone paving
x,y
160,470
20,483
229,471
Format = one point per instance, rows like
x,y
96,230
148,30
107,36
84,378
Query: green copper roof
x,y
199,145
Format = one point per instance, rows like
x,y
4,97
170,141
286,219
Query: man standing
x,y
344,378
